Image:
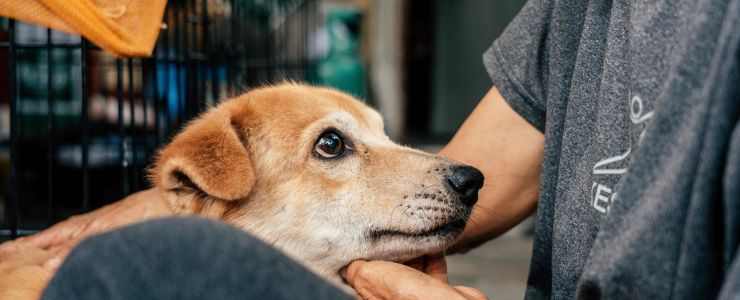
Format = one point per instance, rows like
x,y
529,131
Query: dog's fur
x,y
251,162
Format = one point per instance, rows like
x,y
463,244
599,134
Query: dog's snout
x,y
466,181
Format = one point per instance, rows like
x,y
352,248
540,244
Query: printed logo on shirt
x,y
602,194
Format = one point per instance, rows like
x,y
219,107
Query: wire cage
x,y
78,127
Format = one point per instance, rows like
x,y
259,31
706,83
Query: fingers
x,y
50,258
348,276
22,275
26,256
16,245
59,233
136,207
367,279
8,248
45,238
62,250
470,293
435,266
387,280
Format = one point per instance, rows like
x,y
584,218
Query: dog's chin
x,y
400,245
451,228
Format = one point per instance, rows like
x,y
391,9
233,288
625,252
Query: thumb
x,y
349,272
387,280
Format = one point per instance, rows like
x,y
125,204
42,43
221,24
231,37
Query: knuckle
x,y
358,274
86,227
94,225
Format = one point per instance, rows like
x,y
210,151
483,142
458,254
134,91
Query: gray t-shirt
x,y
639,103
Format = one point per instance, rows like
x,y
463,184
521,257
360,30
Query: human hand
x,y
24,274
62,237
422,278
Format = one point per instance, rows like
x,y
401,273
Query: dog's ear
x,y
209,156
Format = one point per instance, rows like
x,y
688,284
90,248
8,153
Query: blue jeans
x,y
183,258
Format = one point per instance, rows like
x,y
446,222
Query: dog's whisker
x,y
393,212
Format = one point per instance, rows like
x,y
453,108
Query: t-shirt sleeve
x,y
517,62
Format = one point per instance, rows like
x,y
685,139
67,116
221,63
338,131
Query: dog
x,y
310,171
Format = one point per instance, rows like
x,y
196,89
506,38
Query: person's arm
x,y
508,150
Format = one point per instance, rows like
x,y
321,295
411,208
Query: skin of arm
x,y
508,150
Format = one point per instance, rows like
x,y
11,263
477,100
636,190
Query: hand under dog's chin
x,y
398,248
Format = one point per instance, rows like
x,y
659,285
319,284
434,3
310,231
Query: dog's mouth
x,y
448,229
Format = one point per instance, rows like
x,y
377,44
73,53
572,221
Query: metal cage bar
x,y
85,130
14,209
50,130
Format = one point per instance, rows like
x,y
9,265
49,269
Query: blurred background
x,y
78,127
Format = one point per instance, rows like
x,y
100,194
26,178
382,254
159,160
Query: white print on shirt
x,y
601,194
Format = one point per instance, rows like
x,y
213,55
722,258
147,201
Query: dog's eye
x,y
329,145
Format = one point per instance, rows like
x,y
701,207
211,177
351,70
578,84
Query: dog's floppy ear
x,y
208,156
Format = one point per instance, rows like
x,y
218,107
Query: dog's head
x,y
310,171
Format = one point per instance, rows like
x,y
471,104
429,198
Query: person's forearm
x,y
508,150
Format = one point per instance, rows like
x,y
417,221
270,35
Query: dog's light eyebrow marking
x,y
339,106
345,112
341,120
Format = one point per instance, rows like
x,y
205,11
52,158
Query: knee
x,y
169,235
138,255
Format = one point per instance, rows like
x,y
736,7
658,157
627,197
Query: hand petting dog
x,y
25,272
63,236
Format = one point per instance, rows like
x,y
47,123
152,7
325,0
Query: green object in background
x,y
342,68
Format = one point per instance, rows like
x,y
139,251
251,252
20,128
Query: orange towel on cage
x,y
122,27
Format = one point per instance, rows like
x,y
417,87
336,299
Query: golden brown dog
x,y
310,171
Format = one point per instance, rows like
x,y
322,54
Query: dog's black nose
x,y
466,181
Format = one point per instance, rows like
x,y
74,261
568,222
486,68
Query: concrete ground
x,y
498,268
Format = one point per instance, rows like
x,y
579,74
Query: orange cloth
x,y
122,27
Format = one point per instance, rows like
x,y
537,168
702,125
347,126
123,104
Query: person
x,y
618,122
